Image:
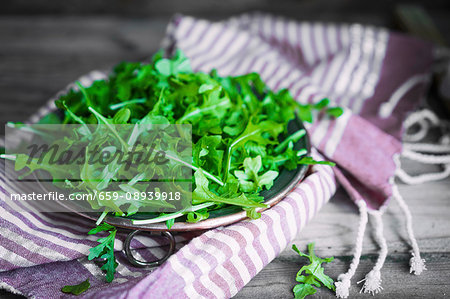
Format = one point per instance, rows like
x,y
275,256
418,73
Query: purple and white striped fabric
x,y
371,72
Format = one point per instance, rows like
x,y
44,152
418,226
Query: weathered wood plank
x,y
39,56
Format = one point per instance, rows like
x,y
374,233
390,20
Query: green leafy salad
x,y
240,141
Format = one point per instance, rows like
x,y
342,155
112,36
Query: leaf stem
x,y
75,117
209,175
201,110
173,215
293,137
8,157
102,216
26,128
84,92
126,103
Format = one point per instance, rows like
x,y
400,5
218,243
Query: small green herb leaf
x,y
252,213
250,180
203,194
303,290
311,161
105,250
335,111
312,275
103,227
168,67
77,289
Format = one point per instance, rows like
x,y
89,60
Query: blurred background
x,y
45,44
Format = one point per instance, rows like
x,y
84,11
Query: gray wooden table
x,y
44,46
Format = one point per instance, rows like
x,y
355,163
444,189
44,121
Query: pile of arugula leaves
x,y
237,125
239,132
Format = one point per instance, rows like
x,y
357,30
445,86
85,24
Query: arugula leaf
x,y
77,289
335,111
250,180
206,153
306,112
122,116
179,64
103,227
263,133
252,213
303,290
105,250
311,161
50,118
293,138
193,217
170,223
312,275
203,194
322,104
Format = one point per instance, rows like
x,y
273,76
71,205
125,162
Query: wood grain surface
x,y
46,44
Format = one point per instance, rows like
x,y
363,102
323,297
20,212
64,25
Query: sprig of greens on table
x,y
239,133
312,275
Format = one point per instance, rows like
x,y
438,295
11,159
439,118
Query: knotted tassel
x,y
344,280
342,286
417,264
372,281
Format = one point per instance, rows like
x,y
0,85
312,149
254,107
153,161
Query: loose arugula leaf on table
x,y
311,276
105,250
77,289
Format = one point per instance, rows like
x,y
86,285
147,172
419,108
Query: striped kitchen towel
x,y
378,76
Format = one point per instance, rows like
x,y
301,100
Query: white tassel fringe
x,y
372,281
344,280
416,262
